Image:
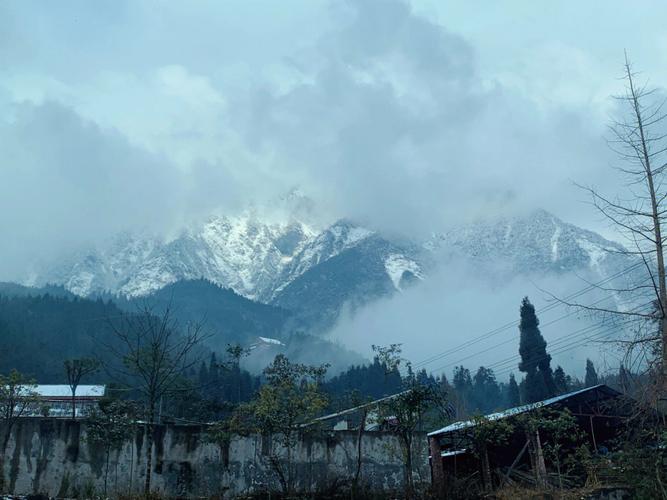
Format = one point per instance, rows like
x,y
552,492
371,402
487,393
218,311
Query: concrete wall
x,y
53,456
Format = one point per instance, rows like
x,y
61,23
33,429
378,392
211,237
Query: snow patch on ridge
x,y
396,265
554,244
80,283
346,236
596,253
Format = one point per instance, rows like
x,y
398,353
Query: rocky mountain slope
x,y
316,272
255,259
536,243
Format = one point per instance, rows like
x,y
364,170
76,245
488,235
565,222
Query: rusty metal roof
x,y
464,424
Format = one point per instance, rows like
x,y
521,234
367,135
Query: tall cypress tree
x,y
535,362
591,375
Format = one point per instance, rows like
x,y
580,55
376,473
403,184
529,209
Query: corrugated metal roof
x,y
520,409
357,408
60,391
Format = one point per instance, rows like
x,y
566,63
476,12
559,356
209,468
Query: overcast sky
x,y
404,115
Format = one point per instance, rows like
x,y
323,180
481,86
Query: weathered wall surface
x,y
53,456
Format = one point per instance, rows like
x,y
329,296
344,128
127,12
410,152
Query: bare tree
x,y
156,353
110,426
76,369
405,412
17,396
284,409
640,141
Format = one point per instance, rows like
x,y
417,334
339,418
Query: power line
x,y
557,341
568,347
563,346
584,330
560,318
506,326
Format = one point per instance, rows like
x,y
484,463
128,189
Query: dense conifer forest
x,y
39,332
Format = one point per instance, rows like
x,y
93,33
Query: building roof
x,y
61,391
357,408
525,408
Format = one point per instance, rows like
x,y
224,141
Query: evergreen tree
x,y
444,384
563,382
485,390
203,379
591,375
535,362
513,397
462,382
372,381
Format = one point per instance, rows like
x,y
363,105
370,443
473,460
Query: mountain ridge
x,y
316,273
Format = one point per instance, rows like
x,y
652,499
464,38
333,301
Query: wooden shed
x,y
600,413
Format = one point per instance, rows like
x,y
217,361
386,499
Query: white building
x,y
58,400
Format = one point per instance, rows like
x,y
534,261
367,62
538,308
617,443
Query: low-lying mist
x,y
457,304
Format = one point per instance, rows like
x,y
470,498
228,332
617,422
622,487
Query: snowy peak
x,y
401,270
332,241
254,258
240,252
318,272
101,269
536,242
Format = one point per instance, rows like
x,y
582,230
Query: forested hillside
x,y
37,333
229,317
39,330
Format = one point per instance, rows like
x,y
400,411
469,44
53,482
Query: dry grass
x,y
519,493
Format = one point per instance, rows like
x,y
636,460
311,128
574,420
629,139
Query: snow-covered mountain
x,y
258,260
536,243
315,271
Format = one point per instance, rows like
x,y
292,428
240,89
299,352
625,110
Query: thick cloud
x,y
67,182
143,114
394,126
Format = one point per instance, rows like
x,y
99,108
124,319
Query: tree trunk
x,y
409,490
275,463
106,471
662,286
73,404
5,443
2,470
238,374
149,452
290,475
360,435
657,229
486,469
540,469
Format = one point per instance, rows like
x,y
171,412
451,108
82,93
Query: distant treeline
x,y
38,333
